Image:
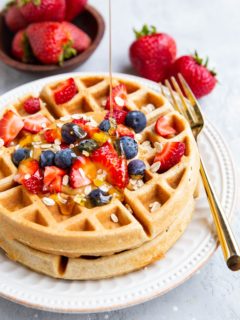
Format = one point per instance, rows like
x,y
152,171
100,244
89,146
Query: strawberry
x,y
52,181
163,128
34,184
51,135
84,124
106,157
118,115
10,126
13,17
21,49
199,78
123,131
73,8
31,105
28,168
170,155
42,10
82,171
119,97
65,91
80,40
36,123
50,42
152,53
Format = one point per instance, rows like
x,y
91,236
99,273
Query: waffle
x,y
92,232
92,268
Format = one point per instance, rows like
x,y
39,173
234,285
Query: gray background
x,y
213,28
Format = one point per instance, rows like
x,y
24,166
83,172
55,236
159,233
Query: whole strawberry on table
x,y
154,56
43,31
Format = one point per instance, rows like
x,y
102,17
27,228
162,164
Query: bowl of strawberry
x,y
49,35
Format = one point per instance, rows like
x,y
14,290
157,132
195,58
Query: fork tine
x,y
176,105
162,90
188,112
188,92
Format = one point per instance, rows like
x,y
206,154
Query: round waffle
x,y
92,268
92,232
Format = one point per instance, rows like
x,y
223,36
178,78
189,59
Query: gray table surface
x,y
213,28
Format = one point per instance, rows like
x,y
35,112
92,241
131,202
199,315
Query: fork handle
x,y
226,238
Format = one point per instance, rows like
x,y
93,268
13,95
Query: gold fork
x,y
192,112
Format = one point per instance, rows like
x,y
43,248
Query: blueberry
x,y
129,147
136,120
98,197
88,145
71,132
136,168
19,155
47,158
63,159
104,125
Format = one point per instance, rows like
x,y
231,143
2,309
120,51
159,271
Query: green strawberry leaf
x,y
68,52
146,31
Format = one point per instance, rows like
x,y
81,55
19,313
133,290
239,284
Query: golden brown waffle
x,y
91,268
93,232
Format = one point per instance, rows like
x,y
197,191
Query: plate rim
x,y
155,293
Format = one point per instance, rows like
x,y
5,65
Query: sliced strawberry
x,y
32,105
106,157
34,184
170,155
84,124
123,131
65,91
10,126
119,97
118,115
27,168
51,135
53,179
36,123
163,127
82,172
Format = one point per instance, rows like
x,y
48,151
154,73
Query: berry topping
x,y
88,145
47,158
136,120
98,197
10,126
65,91
53,179
163,127
104,125
106,157
170,155
32,105
71,132
36,123
129,147
26,169
119,97
123,131
51,135
136,168
81,172
118,115
19,155
34,184
63,159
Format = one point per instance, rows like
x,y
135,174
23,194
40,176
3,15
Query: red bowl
x,y
90,20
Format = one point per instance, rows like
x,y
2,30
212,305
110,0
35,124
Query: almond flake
x,y
87,190
85,153
114,218
138,136
76,116
154,206
104,188
155,166
71,146
103,102
45,146
43,125
65,118
59,125
158,146
48,201
65,180
1,143
79,198
119,101
57,142
148,108
27,176
61,199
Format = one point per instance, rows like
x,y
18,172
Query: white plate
x,y
195,247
